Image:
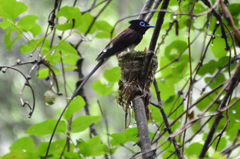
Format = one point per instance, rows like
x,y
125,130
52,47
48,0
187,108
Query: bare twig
x,y
166,120
191,83
106,124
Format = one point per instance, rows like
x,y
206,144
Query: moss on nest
x,y
132,65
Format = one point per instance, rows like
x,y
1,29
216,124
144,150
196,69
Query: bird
x,y
126,40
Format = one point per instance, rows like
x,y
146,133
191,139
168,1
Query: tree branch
x,y
150,15
147,6
144,141
158,26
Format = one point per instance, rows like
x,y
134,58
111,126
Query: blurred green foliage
x,y
175,56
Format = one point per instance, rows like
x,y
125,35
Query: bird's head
x,y
140,26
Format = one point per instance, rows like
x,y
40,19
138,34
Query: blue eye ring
x,y
142,24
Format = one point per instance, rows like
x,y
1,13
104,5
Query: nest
x,y
134,78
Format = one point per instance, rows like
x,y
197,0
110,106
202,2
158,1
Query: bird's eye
x,y
142,24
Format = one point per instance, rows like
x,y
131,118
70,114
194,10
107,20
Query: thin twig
x,y
165,119
108,134
147,6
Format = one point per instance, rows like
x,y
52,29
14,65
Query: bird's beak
x,y
150,26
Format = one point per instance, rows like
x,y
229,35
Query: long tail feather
x,y
74,94
87,77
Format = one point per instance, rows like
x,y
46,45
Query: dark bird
x,y
126,40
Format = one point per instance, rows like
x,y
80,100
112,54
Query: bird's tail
x,y
74,94
87,77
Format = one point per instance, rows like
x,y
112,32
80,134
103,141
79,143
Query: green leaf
x,y
83,122
105,29
222,61
206,101
218,47
220,79
164,61
102,89
221,145
234,10
9,40
174,49
31,45
46,128
169,151
46,47
56,147
93,147
194,149
24,144
210,68
86,21
103,35
43,73
199,8
176,71
52,58
172,103
218,155
6,23
156,115
234,117
70,68
180,68
28,23
65,47
234,111
232,131
173,3
69,59
112,75
72,14
56,71
35,30
130,135
65,26
196,126
177,125
184,22
72,155
191,157
20,155
212,27
76,105
69,13
166,90
104,26
11,9
69,54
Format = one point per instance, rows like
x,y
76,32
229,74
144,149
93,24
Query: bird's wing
x,y
124,40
